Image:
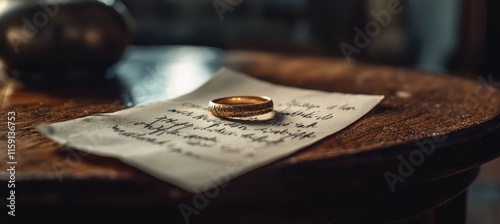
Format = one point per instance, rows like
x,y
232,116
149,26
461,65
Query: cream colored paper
x,y
179,141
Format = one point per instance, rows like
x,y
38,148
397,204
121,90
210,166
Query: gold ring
x,y
240,106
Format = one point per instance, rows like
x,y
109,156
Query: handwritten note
x,y
179,141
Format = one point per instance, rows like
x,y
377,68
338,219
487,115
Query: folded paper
x,y
179,141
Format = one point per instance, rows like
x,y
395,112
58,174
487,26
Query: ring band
x,y
240,106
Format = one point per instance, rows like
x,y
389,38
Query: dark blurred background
x,y
456,36
446,35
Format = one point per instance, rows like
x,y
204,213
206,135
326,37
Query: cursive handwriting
x,y
138,136
189,127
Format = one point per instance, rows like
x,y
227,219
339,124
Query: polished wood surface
x,y
343,174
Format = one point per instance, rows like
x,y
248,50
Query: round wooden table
x,y
410,160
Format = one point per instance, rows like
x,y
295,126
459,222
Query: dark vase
x,y
61,40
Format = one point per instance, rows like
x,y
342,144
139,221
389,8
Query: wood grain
x,y
418,104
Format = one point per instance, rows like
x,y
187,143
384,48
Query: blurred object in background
x,y
434,28
53,41
491,62
255,24
444,36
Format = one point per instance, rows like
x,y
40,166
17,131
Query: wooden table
x,y
438,128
